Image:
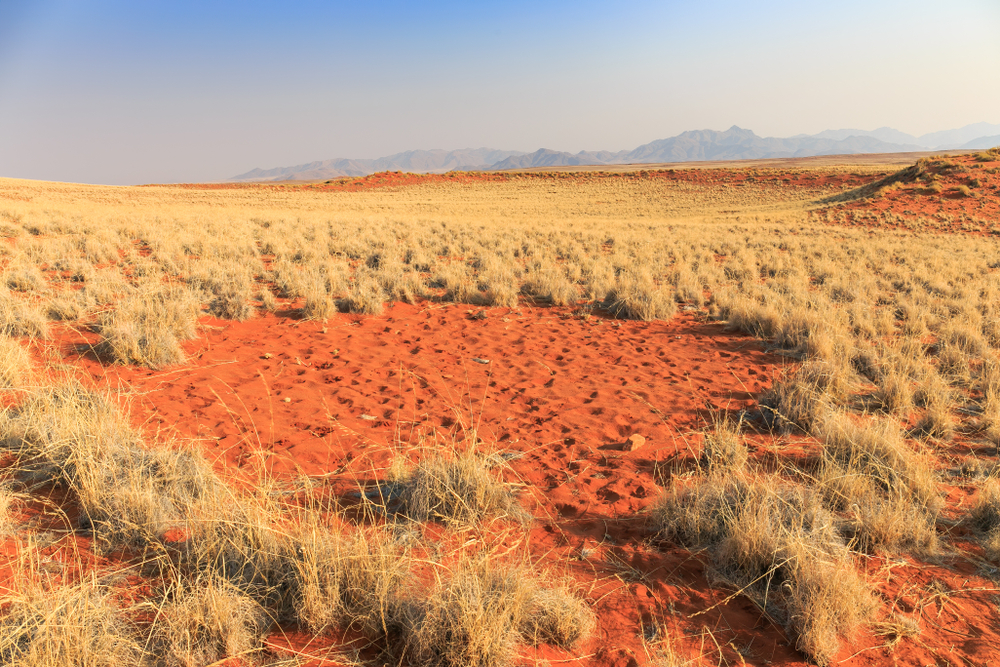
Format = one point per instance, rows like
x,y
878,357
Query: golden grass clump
x,y
67,625
548,282
24,277
8,501
894,393
268,301
724,447
352,581
501,289
20,319
401,284
147,329
556,615
206,622
238,540
470,619
890,489
937,398
365,295
776,544
232,304
479,611
459,489
129,494
744,313
65,309
15,364
803,397
984,517
636,296
318,306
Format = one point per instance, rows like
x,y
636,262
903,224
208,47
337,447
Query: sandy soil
x,y
941,205
558,394
558,390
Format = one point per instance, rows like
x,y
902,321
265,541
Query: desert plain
x,y
732,415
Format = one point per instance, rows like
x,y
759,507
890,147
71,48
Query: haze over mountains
x,y
696,145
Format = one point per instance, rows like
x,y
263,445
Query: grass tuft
x,y
457,489
70,625
776,544
724,448
891,490
206,622
147,329
231,304
15,364
984,517
129,494
636,296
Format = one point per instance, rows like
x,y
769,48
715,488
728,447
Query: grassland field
x,y
714,416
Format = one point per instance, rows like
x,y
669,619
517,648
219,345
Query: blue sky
x,y
150,91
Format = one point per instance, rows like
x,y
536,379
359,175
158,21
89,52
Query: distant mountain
x,y
739,144
934,140
982,142
549,158
957,138
432,161
886,134
705,145
698,145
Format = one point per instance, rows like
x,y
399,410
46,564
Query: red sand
x,y
948,210
336,399
339,399
717,176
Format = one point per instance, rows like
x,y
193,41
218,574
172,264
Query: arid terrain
x,y
730,415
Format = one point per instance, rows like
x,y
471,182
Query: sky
x,y
126,92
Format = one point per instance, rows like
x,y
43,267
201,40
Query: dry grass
x,y
984,517
458,488
15,365
20,319
470,619
802,398
147,329
917,317
890,490
129,494
724,448
352,581
556,615
205,622
776,544
72,625
478,612
636,296
232,304
238,539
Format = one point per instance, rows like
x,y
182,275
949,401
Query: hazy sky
x,y
145,91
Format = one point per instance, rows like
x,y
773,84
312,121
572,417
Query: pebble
x,y
634,442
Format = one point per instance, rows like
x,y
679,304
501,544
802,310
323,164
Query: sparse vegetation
x,y
74,625
461,489
888,344
777,544
206,622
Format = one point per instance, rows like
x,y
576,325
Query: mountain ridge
x,y
736,143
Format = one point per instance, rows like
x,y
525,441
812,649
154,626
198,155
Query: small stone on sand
x,y
634,442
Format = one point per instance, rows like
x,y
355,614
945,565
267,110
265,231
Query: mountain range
x,y
697,145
